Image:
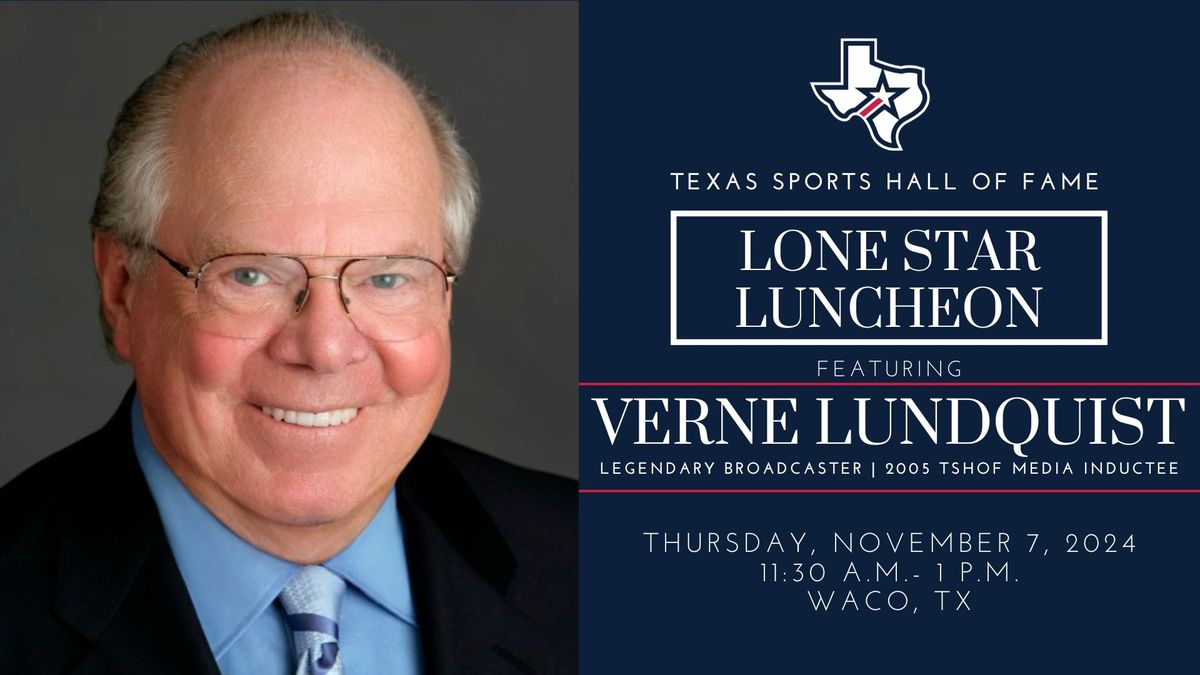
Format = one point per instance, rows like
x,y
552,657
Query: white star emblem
x,y
884,94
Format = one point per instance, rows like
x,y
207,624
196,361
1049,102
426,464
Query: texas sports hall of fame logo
x,y
884,96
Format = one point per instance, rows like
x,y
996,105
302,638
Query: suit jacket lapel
x,y
460,569
116,580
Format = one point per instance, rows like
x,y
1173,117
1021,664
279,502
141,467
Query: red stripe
x,y
889,384
871,106
890,491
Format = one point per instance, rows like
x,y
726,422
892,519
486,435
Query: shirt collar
x,y
231,582
375,562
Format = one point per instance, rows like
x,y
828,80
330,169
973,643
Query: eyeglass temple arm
x,y
187,274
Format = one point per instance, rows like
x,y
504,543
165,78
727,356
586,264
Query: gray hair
x,y
133,185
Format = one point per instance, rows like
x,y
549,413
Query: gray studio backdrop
x,y
510,75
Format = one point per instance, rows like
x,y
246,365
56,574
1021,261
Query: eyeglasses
x,y
250,295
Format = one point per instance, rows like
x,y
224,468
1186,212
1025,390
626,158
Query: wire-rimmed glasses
x,y
249,295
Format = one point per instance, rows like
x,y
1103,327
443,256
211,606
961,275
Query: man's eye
x,y
386,281
249,276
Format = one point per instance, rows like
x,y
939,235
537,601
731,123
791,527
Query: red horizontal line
x,y
891,491
954,383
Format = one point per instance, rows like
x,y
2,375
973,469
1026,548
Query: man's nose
x,y
321,335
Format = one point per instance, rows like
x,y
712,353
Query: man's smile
x,y
320,418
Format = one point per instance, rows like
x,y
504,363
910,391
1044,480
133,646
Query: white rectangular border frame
x,y
1101,341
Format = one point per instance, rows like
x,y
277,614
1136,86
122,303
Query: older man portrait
x,y
281,220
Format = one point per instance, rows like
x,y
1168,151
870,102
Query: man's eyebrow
x,y
410,247
210,245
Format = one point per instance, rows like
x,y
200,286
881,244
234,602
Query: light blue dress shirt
x,y
234,585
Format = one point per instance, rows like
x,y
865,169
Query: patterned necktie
x,y
312,600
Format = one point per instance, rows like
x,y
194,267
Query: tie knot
x,y
314,590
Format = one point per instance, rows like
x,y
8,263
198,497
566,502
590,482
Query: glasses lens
x,y
395,299
249,295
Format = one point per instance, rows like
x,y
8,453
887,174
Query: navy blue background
x,y
1026,87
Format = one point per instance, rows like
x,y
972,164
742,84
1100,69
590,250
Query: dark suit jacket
x,y
88,583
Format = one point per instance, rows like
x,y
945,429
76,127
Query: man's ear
x,y
116,290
